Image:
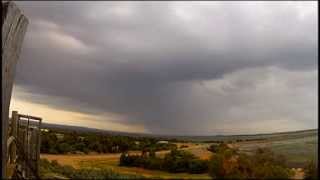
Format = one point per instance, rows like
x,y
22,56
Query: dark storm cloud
x,y
152,61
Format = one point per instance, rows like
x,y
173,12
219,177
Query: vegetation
x,y
62,142
298,151
227,163
218,148
175,161
55,170
311,170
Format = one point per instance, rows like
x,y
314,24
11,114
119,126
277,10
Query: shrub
x,y
198,166
178,160
64,148
216,169
263,164
175,161
213,148
153,163
311,170
131,160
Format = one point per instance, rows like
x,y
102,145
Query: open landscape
x,y
299,148
159,90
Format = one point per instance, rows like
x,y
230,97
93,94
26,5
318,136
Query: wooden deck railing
x,y
23,146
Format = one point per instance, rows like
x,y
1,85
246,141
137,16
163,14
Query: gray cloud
x,y
152,62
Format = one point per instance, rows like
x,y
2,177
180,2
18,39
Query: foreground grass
x,y
111,162
141,171
54,170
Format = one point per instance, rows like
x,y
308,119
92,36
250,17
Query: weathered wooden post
x,y
14,120
39,144
14,25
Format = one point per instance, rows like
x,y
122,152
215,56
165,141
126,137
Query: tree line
x,y
62,142
176,161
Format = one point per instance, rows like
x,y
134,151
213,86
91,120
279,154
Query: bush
x,y
198,166
271,171
218,148
175,161
213,148
64,148
178,161
216,169
311,171
131,160
153,163
263,164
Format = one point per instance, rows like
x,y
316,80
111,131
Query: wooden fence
x,y
23,146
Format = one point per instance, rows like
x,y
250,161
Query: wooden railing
x,y
23,146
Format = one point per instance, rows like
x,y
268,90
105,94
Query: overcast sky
x,y
196,68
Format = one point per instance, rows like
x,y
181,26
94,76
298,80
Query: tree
x,y
216,169
64,148
228,163
198,166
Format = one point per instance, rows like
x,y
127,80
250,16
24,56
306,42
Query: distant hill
x,y
281,135
86,129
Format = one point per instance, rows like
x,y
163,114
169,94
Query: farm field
x,y
298,151
112,161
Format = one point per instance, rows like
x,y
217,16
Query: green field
x,y
298,151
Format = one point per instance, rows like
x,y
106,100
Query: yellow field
x,y
112,160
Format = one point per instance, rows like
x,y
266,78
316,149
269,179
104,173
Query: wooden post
x,y
39,144
14,120
14,25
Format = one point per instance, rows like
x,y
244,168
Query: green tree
x,y
216,169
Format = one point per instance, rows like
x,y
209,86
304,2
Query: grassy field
x,y
271,136
111,161
298,151
297,148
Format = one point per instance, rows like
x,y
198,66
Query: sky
x,y
180,68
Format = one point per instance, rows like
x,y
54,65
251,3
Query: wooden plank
x,y
14,25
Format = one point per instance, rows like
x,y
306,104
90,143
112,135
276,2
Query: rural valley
x,y
159,90
296,149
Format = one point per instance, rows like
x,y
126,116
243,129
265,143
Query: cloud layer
x,y
176,67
